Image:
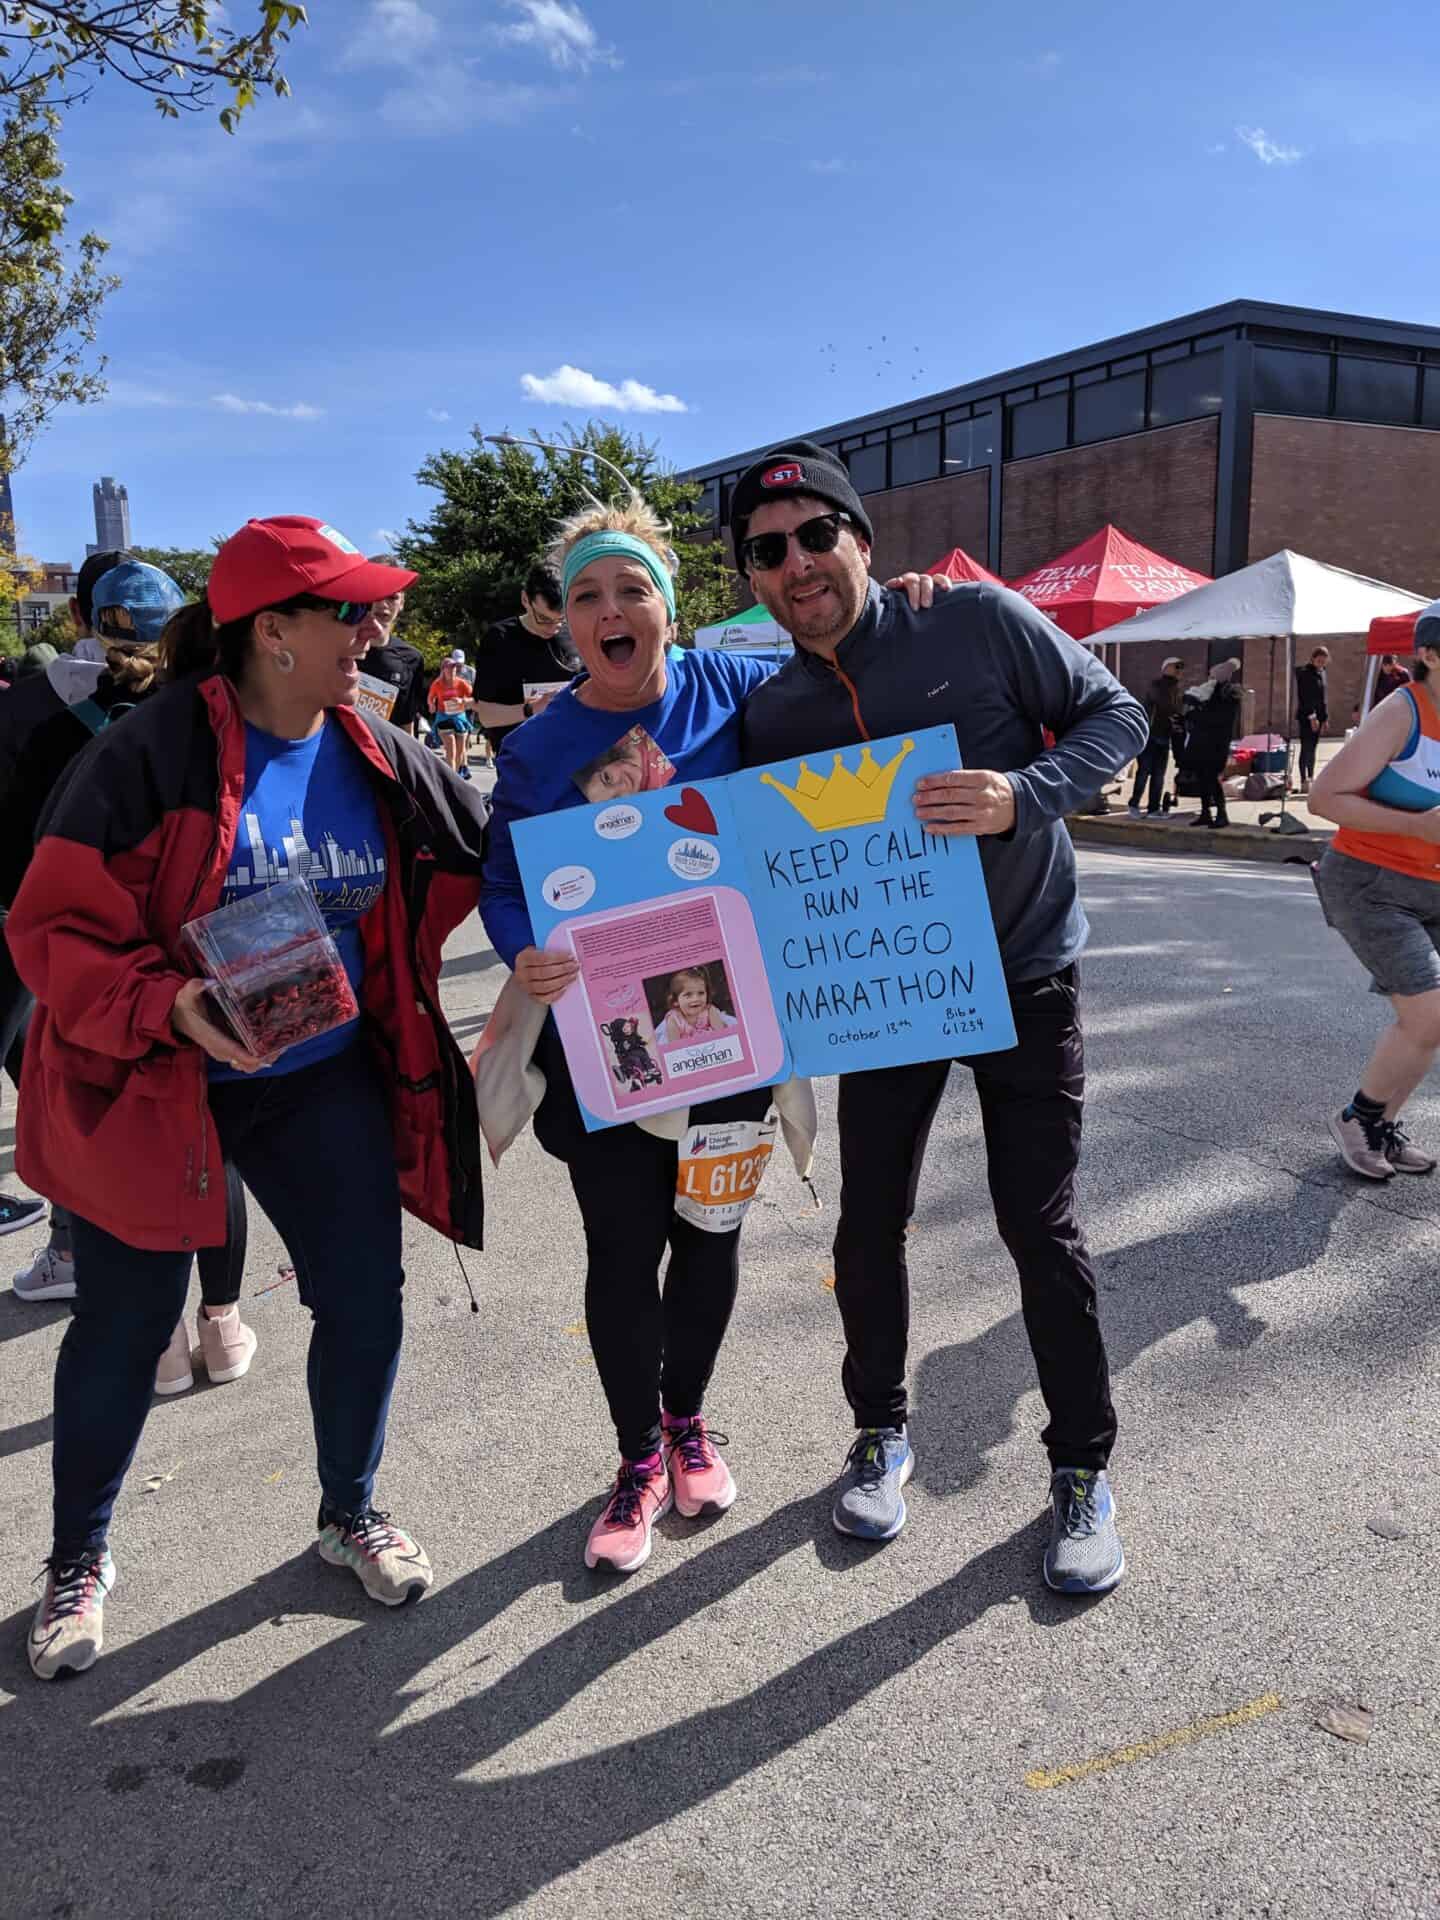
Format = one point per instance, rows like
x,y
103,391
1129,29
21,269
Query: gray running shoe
x,y
1084,1555
870,1501
1402,1153
1362,1148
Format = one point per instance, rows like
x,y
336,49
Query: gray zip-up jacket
x,y
985,660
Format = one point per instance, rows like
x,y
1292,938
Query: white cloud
x,y
232,403
1046,62
1270,153
452,100
130,393
833,165
387,537
393,30
571,386
436,413
561,33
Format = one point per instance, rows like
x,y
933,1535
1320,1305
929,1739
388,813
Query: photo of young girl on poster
x,y
692,1001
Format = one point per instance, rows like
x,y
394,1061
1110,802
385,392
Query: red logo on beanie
x,y
782,477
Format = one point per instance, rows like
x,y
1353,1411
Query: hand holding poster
x,y
841,936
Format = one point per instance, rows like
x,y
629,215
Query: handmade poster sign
x,y
787,919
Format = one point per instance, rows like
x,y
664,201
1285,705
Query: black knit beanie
x,y
799,466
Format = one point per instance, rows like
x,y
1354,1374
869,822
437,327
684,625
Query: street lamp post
x,y
549,446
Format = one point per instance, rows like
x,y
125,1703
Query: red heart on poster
x,y
693,812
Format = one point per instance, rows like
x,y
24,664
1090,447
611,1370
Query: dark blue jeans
x,y
315,1149
1150,771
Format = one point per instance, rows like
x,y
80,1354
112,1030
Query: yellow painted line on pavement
x,y
1043,1777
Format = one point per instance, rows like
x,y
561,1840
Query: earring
x,y
284,659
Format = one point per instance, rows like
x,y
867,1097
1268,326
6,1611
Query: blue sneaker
x,y
870,1501
1084,1555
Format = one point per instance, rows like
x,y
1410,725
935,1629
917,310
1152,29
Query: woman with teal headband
x,y
654,1349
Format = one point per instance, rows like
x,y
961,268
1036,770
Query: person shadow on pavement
x,y
967,1394
314,1767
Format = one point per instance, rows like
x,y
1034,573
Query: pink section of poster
x,y
672,997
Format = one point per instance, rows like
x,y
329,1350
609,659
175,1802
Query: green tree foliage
x,y
186,566
50,298
498,508
173,50
52,285
58,631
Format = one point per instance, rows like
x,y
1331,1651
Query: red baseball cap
x,y
269,561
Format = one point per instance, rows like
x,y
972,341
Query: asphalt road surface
x,y
768,1720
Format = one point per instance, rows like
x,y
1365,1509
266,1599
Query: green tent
x,y
750,632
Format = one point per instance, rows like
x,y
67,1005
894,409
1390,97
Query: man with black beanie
x,y
985,660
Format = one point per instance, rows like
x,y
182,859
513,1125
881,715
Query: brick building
x,y
1215,439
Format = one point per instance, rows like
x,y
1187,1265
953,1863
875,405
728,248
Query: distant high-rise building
x,y
7,504
112,515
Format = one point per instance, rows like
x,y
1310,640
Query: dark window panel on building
x,y
709,500
867,469
1092,377
1162,354
1105,412
1135,364
1039,426
969,443
1287,382
1430,410
916,457
1377,350
1375,390
1186,389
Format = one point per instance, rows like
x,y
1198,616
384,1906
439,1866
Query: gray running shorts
x,y
1390,921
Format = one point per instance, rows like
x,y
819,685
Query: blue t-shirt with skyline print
x,y
310,813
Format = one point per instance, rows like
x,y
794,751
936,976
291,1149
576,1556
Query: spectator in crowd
x,y
394,661
44,697
1162,712
1391,677
1312,710
989,663
530,649
146,1097
1211,714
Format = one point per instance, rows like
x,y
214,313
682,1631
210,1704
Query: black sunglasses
x,y
764,551
348,612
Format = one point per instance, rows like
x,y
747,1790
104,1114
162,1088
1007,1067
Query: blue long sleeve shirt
x,y
695,723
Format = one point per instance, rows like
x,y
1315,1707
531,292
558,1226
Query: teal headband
x,y
600,546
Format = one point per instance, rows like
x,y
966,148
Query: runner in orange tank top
x,y
1379,885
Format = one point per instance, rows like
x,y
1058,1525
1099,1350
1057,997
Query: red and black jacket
x,y
114,1119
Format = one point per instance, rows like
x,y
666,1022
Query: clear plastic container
x,y
273,970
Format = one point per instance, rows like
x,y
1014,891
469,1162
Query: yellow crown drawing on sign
x,y
844,799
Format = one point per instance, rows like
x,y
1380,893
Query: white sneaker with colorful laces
x,y
67,1630
386,1561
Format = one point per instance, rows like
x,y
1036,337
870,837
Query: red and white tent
x,y
1107,578
960,566
1392,633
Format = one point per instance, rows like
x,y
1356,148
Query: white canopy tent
x,y
1286,597
750,632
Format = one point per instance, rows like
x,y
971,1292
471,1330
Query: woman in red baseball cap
x,y
253,768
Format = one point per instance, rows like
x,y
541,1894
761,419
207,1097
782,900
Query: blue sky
x,y
719,208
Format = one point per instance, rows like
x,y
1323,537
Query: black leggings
x,y
652,1347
